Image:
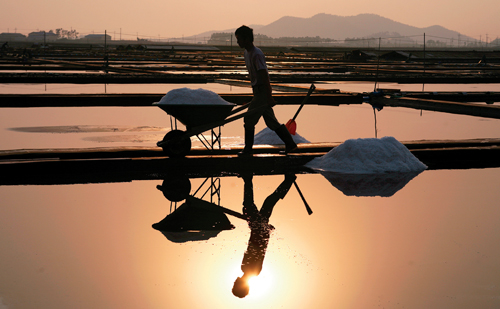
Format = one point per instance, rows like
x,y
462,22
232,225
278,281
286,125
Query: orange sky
x,y
167,19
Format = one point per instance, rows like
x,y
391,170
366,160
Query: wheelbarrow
x,y
197,118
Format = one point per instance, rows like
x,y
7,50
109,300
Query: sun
x,y
261,285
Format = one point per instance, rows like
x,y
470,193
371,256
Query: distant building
x,y
42,36
12,37
97,38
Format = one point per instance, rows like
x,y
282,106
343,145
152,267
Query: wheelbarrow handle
x,y
208,126
204,127
238,109
211,206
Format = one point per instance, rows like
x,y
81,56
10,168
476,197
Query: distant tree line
x,y
67,34
384,39
48,36
224,38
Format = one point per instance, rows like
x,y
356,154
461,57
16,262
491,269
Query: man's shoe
x,y
248,151
245,153
287,138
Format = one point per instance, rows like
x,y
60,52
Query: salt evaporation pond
x,y
434,244
369,156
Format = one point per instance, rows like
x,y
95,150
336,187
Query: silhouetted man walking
x,y
262,94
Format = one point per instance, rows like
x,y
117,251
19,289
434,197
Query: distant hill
x,y
342,27
336,27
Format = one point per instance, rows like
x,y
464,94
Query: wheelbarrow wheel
x,y
175,187
177,149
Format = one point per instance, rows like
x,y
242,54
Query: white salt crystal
x,y
368,156
269,137
201,96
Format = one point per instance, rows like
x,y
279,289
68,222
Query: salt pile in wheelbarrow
x,y
194,107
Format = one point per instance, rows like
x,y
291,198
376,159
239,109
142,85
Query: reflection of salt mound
x,y
384,185
196,219
368,156
193,96
269,137
182,237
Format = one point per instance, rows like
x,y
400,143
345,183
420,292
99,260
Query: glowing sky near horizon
x,y
167,19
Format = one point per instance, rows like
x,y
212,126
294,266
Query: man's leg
x,y
286,137
249,208
250,120
280,129
249,136
280,192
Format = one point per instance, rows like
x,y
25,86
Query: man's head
x,y
245,32
244,36
241,287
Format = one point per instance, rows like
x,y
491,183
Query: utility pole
x,y
106,59
423,84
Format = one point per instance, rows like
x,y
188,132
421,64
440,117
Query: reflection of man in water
x,y
258,221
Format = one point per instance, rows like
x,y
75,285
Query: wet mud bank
x,y
97,165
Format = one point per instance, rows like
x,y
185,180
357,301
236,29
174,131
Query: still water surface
x,y
432,244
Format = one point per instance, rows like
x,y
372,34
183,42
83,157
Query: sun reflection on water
x,y
261,285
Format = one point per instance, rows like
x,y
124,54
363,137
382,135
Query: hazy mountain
x,y
341,27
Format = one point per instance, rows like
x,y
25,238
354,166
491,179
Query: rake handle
x,y
311,89
309,210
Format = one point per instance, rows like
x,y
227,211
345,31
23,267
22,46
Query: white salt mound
x,y
269,137
368,156
193,96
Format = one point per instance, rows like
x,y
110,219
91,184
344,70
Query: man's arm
x,y
263,76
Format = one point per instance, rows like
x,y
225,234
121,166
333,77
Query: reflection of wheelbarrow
x,y
195,219
178,188
197,118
